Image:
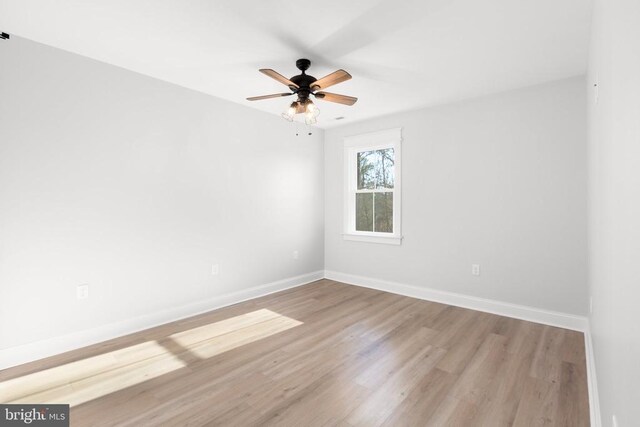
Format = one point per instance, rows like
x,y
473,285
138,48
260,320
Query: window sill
x,y
373,239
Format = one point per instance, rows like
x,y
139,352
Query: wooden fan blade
x,y
275,95
330,80
334,97
279,77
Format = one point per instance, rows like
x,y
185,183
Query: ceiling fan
x,y
304,85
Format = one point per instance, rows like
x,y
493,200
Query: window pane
x,y
366,170
364,211
384,212
376,169
385,168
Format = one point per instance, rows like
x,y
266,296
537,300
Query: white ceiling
x,y
403,54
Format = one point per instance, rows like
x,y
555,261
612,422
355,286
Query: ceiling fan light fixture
x,y
312,109
290,112
311,113
310,119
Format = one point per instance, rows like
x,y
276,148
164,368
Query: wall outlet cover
x,y
475,269
82,291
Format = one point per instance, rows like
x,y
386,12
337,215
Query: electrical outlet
x,y
82,291
475,269
295,255
215,270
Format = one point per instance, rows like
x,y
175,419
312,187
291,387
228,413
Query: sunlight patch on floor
x,y
87,379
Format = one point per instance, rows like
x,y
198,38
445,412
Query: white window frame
x,y
391,138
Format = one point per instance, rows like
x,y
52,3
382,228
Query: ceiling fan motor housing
x,y
303,80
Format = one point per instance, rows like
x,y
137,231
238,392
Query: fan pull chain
x,y
297,125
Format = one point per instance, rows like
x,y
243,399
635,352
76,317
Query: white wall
x,y
137,187
614,206
499,181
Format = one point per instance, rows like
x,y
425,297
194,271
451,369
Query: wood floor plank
x,y
453,412
538,405
423,400
395,387
323,354
502,396
573,406
476,379
467,344
547,364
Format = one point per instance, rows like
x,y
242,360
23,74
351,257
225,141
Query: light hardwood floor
x,y
324,354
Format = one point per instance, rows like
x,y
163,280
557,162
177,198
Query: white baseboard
x,y
40,349
594,398
532,314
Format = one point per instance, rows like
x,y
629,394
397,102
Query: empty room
x,y
278,213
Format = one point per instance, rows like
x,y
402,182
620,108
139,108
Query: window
x,y
372,188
